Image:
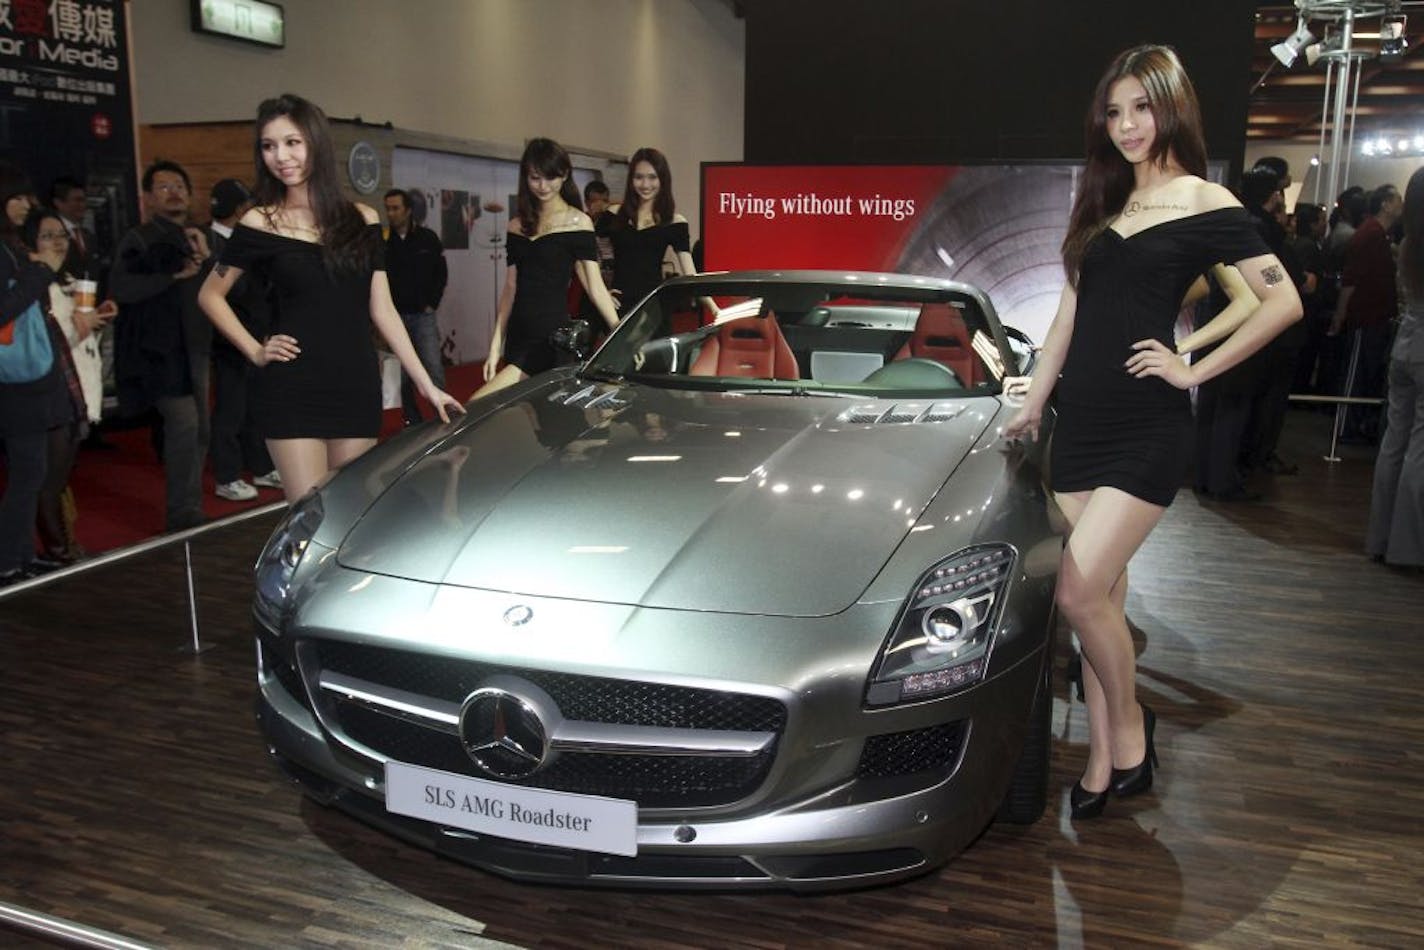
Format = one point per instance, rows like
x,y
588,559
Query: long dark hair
x,y
1411,249
14,183
1107,179
549,160
663,205
347,244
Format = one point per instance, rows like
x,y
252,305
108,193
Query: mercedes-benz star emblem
x,y
502,733
518,615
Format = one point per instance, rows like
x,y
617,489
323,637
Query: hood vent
x,y
589,397
903,413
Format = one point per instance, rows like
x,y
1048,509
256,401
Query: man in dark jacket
x,y
415,267
162,340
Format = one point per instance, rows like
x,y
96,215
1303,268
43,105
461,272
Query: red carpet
x,y
119,491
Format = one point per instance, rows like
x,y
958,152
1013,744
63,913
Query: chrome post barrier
x,y
197,646
52,928
142,547
1339,424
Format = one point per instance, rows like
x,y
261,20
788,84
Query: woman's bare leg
x,y
302,463
507,376
341,451
1108,527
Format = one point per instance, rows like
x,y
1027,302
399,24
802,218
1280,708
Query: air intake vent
x,y
589,397
900,413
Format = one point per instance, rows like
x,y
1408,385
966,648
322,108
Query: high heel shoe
x,y
1138,779
1086,804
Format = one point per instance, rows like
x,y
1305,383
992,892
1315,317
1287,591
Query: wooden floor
x,y
1286,670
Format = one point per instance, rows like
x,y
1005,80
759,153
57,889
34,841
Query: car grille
x,y
585,698
906,753
654,781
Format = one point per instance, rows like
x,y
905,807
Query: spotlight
x,y
1403,145
1368,150
1315,161
1419,143
1287,50
1392,41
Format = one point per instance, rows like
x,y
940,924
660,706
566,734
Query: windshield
x,y
804,337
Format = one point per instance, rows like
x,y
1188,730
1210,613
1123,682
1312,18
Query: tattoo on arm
x,y
1272,275
222,270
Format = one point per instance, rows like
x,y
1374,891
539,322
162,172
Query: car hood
x,y
732,502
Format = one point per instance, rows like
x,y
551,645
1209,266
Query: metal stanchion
x,y
1339,423
196,646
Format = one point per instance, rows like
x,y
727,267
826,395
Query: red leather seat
x,y
940,335
749,346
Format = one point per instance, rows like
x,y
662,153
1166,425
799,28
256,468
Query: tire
x,y
1027,796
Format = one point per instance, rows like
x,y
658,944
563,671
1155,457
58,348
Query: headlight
x,y
942,638
277,563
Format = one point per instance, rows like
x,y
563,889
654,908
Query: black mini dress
x,y
543,268
638,257
1114,429
332,390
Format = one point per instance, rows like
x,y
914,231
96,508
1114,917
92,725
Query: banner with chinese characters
x,y
65,103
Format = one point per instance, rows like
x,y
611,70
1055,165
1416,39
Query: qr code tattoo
x,y
1272,275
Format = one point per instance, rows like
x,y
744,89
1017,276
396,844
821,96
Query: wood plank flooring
x,y
1285,669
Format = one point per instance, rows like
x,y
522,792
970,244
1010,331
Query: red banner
x,y
853,217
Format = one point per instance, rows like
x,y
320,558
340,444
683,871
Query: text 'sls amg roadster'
x,y
753,597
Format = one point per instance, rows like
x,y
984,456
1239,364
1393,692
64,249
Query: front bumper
x,y
847,833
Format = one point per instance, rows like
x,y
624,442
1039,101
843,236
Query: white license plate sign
x,y
562,819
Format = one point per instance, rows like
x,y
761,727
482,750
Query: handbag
x,y
25,350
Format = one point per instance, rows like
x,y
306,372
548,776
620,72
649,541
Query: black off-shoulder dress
x,y
638,257
1113,429
333,389
543,268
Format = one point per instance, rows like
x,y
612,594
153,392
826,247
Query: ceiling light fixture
x,y
1392,39
1288,49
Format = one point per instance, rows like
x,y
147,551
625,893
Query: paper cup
x,y
86,294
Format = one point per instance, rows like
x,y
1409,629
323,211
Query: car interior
x,y
812,336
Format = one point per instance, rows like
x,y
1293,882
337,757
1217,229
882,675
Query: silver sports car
x,y
753,597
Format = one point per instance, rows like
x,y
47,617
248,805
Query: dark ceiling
x,y
1289,102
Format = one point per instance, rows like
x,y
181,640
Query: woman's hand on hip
x,y
278,348
1153,358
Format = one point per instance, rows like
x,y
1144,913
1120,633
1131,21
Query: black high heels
x,y
1086,804
1138,779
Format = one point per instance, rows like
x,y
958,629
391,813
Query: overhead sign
x,y
249,20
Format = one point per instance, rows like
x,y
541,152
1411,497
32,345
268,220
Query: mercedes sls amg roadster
x,y
754,596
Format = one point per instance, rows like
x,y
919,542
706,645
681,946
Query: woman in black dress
x,y
317,399
549,241
1144,225
645,227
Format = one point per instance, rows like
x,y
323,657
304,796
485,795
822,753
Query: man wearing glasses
x,y
162,340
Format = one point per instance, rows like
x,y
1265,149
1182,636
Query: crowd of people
x,y
295,277
1355,351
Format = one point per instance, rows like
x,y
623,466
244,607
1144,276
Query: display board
x,y
998,227
65,102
